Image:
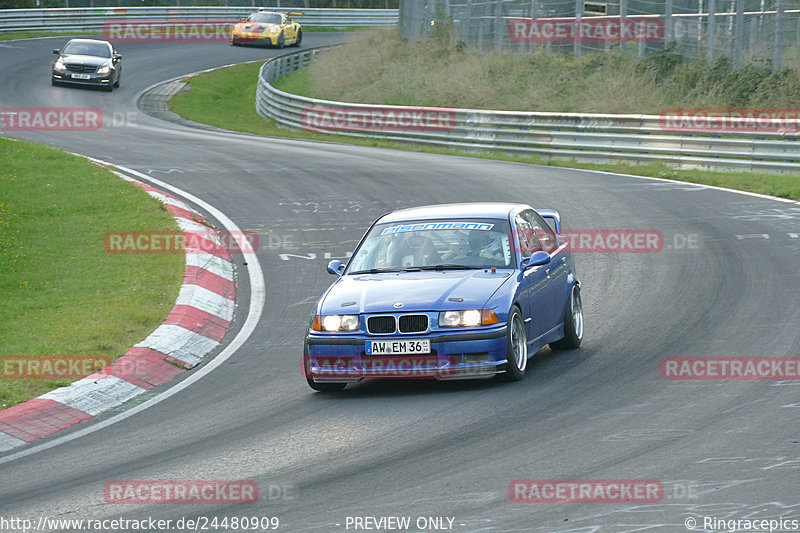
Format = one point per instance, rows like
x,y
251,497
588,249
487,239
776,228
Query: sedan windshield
x,y
265,18
434,245
87,49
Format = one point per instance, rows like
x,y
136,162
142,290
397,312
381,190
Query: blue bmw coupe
x,y
457,291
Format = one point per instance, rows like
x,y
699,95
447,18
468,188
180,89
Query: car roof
x,y
267,12
89,41
464,210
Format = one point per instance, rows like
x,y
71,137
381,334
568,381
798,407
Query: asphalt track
x,y
425,449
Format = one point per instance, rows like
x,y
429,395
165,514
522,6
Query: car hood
x,y
85,60
417,291
257,26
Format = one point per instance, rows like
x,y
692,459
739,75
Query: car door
x,y
533,280
289,31
552,298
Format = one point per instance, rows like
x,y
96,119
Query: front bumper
x,y
454,355
97,80
254,38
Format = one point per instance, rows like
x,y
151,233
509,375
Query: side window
x,y
546,235
525,238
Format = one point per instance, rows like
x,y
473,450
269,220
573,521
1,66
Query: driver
x,y
486,244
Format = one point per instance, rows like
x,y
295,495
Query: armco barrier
x,y
592,138
93,19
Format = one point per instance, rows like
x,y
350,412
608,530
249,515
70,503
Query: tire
x,y
299,38
281,40
116,83
517,358
573,322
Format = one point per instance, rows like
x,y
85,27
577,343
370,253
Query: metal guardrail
x,y
93,19
590,138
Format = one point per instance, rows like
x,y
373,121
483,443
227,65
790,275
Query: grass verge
x,y
225,98
61,293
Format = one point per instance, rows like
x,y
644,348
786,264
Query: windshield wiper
x,y
447,267
378,270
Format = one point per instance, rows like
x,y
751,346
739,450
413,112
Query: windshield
x,y
87,49
434,245
265,18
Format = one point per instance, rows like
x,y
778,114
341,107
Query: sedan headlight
x,y
59,65
468,318
335,323
104,70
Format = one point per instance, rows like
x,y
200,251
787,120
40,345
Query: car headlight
x,y
59,65
468,318
104,70
274,29
335,323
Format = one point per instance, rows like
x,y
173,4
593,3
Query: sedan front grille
x,y
381,324
413,323
80,68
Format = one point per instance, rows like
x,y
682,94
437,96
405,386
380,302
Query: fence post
x,y
777,53
668,23
623,14
466,24
576,37
738,37
710,27
498,25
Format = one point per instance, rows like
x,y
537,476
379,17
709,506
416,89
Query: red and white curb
x,y
197,324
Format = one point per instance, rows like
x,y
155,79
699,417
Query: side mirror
x,y
117,57
57,50
336,267
536,259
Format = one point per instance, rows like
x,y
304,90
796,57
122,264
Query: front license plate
x,y
393,347
81,76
